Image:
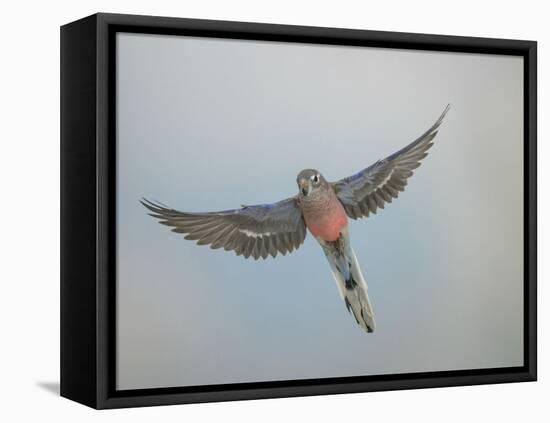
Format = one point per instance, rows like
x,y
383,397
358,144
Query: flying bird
x,y
320,206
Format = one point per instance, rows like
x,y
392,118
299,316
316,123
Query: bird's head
x,y
309,181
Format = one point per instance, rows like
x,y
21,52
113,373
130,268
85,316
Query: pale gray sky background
x,y
209,124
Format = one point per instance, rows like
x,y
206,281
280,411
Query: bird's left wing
x,y
370,188
256,231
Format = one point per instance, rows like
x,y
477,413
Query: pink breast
x,y
329,224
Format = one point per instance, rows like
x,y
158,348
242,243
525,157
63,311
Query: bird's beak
x,y
305,187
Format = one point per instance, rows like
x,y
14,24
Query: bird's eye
x,y
316,178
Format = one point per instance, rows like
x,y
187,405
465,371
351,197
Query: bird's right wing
x,y
256,231
370,188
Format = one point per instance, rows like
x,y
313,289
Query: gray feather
x,y
252,231
376,184
349,280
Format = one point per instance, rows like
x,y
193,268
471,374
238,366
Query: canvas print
x,y
321,207
282,156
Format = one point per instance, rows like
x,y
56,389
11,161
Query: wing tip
x,y
445,111
154,206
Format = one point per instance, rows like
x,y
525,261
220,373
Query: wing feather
x,y
252,231
369,189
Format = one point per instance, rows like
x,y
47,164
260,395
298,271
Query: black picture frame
x,y
88,210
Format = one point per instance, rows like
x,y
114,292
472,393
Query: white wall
x,y
29,224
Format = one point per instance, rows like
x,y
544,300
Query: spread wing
x,y
373,187
256,231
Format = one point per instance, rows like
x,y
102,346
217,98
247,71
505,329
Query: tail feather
x,y
350,282
360,305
